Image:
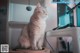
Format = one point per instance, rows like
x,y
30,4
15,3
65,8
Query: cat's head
x,y
41,11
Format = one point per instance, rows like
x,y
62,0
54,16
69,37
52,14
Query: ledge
x,y
14,24
63,32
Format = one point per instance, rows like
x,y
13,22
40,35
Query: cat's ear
x,y
38,4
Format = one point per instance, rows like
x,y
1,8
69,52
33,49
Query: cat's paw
x,y
40,48
34,48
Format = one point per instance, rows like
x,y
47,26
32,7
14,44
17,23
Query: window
x,y
78,16
64,18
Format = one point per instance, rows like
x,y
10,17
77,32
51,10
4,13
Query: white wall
x,y
14,34
19,13
78,36
52,19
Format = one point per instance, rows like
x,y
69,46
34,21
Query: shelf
x,y
14,24
63,32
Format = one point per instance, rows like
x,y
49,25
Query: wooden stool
x,y
31,51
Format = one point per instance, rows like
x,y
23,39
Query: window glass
x,y
78,16
64,18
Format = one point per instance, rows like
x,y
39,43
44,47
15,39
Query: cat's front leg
x,y
40,43
34,43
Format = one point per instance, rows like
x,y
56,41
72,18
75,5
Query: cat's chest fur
x,y
33,34
37,25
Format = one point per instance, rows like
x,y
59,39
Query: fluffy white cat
x,y
32,34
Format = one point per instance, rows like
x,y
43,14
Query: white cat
x,y
32,34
